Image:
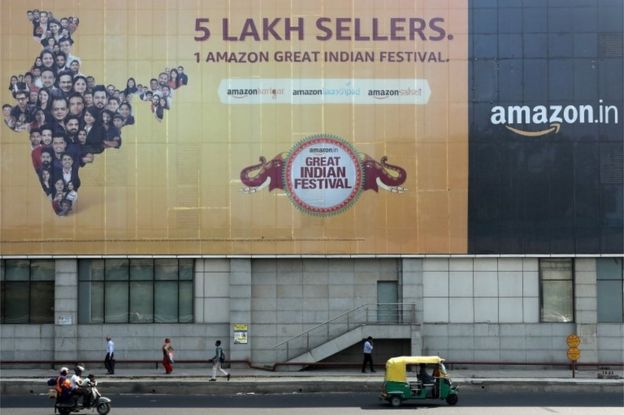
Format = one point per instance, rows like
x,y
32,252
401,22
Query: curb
x,y
222,387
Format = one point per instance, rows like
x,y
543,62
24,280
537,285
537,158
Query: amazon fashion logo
x,y
542,120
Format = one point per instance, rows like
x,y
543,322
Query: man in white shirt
x,y
368,354
109,361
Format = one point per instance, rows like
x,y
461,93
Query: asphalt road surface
x,y
476,403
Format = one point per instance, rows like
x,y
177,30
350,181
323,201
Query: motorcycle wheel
x,y
103,408
64,411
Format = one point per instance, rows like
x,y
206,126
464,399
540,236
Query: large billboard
x,y
546,129
311,127
303,127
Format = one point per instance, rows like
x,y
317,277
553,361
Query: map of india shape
x,y
68,116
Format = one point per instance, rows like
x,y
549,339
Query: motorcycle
x,y
96,401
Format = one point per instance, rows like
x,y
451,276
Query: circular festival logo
x,y
323,175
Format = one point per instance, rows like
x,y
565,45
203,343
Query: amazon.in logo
x,y
541,120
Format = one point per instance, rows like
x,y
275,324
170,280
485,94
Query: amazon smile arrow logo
x,y
553,128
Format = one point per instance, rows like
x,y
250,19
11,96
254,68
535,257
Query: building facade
x,y
483,309
447,177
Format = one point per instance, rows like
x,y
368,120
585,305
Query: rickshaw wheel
x,y
451,399
395,401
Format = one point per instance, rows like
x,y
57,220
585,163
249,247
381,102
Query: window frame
x,y
129,281
541,288
606,279
29,282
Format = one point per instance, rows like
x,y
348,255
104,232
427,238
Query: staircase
x,y
382,321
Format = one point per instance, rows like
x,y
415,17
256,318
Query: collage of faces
x,y
70,118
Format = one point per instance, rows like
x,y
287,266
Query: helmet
x,y
64,371
78,370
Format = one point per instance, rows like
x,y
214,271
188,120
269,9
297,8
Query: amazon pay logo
x,y
541,120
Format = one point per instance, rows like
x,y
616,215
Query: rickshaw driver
x,y
424,376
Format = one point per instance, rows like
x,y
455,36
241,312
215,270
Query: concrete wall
x,y
480,290
26,342
212,291
487,309
545,342
484,309
610,342
290,296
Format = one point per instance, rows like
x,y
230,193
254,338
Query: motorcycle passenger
x,y
88,385
77,386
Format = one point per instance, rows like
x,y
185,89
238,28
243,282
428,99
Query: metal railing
x,y
379,313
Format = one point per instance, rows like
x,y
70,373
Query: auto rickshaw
x,y
397,387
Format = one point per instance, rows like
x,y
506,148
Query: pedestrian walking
x,y
368,354
109,360
168,356
217,360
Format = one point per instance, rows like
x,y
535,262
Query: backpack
x,y
222,357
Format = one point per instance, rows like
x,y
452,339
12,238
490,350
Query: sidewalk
x,y
196,381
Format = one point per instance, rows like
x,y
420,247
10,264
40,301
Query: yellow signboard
x,y
240,333
273,127
573,340
574,353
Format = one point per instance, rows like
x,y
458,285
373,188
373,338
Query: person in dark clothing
x,y
424,376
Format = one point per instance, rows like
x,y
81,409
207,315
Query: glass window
x,y
142,269
166,269
90,302
610,290
41,302
135,291
186,269
141,302
557,290
91,270
15,304
186,301
27,292
116,302
116,269
166,302
17,269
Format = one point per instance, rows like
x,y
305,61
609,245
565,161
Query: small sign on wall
x,y
240,333
64,320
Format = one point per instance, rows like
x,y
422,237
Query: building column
x,y
412,293
66,310
586,308
240,306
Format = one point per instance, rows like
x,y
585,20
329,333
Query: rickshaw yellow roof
x,y
414,360
395,366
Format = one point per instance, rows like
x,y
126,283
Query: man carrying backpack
x,y
217,360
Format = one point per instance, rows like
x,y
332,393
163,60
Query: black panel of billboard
x,y
546,143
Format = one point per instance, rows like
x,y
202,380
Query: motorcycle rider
x,y
62,385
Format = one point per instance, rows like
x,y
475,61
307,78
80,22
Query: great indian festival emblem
x,y
323,175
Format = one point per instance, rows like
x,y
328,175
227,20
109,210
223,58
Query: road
x,y
470,403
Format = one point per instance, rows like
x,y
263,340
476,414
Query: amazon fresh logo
x,y
541,120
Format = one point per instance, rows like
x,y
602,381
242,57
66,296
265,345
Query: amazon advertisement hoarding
x,y
546,129
271,127
281,127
